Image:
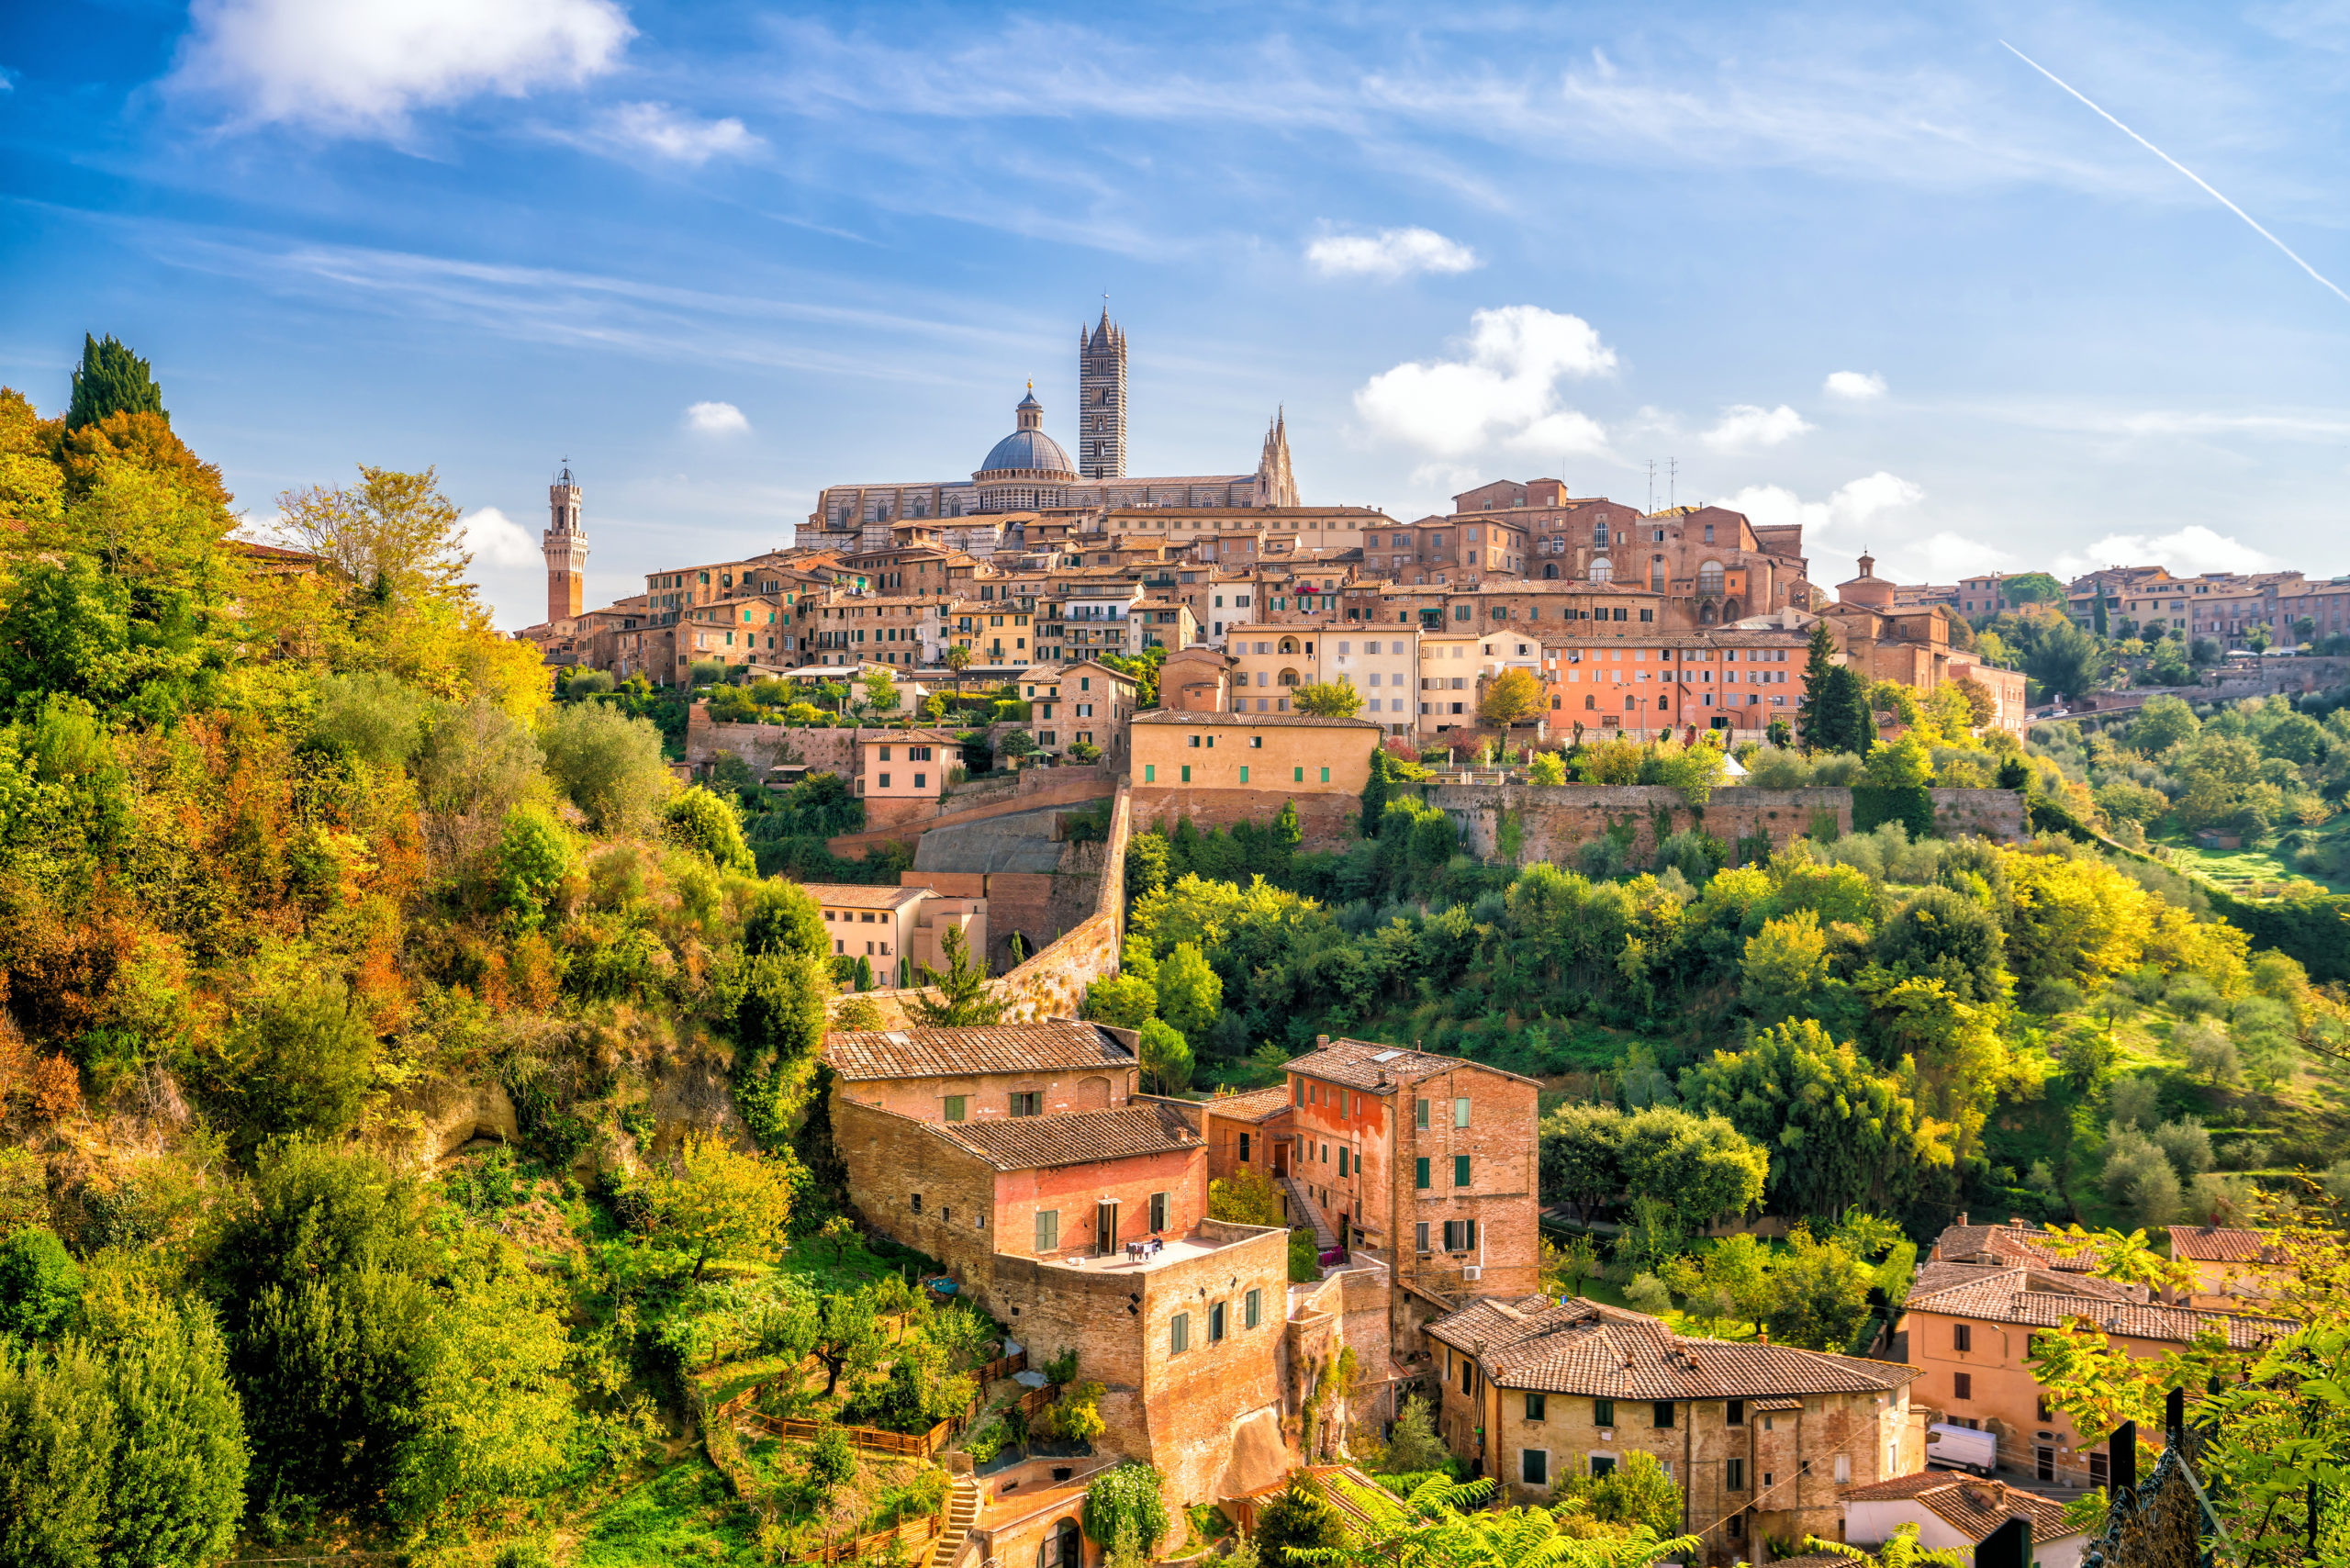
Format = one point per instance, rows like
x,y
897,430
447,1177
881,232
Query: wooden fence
x,y
857,1547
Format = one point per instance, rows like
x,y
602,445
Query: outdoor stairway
x,y
1303,1208
962,1513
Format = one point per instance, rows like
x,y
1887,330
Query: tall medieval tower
x,y
565,546
1102,400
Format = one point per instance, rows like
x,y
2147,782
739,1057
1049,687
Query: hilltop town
x,y
1084,1019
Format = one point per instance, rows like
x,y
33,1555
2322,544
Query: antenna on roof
x,y
1672,483
1651,506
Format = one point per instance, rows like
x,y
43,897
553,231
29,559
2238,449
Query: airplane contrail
x,y
2175,163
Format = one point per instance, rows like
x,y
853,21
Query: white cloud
x,y
1858,385
668,133
1869,514
361,66
2193,549
1851,507
1390,253
498,540
1503,390
716,419
1744,426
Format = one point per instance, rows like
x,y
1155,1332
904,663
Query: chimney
x,y
1962,1216
1763,1337
1321,1040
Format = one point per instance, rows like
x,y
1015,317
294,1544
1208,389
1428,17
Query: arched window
x,y
1656,574
1289,677
1590,701
1289,645
1601,570
1709,578
1549,568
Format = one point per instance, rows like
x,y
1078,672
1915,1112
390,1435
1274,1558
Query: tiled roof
x,y
855,895
913,737
1936,1277
1363,1064
2006,1244
1254,1105
1971,1507
964,1053
1602,1352
2214,1244
1076,1137
1305,720
2036,1299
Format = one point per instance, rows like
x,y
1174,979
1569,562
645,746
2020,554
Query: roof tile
x,y
966,1053
1584,1347
1973,1507
2033,1299
1076,1137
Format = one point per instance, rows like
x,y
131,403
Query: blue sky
x,y
1865,270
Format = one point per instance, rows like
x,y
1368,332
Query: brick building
x,y
1759,1437
961,1075
1428,1161
1248,1131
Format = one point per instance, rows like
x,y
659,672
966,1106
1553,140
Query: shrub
x,y
708,822
1125,1496
608,763
39,1285
1304,1258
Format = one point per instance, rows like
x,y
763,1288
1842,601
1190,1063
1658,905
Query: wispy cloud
x,y
362,67
2187,551
1854,386
1502,391
670,133
716,419
1746,427
1390,253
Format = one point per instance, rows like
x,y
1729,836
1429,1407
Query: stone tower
x,y
1275,484
1102,400
565,546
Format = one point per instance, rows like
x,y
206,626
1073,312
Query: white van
x,y
1961,1448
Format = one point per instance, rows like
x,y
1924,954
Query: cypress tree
x,y
111,379
1817,663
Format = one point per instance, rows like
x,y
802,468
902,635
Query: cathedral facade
x,y
1029,471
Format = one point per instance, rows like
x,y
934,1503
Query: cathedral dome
x,y
1028,452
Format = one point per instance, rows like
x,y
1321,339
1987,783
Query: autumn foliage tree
x,y
1514,697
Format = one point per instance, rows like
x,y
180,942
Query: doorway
x,y
1105,1229
2044,1463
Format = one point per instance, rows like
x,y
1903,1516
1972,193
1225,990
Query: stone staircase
x,y
1304,1210
962,1513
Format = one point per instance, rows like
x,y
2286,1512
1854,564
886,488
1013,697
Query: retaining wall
x,y
1557,820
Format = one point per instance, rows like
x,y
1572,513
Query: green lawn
x,y
2238,870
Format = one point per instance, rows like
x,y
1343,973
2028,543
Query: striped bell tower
x,y
566,547
1102,400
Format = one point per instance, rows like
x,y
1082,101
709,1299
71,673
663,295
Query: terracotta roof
x,y
1585,1348
1309,721
1075,1138
964,1053
856,895
1973,1507
913,737
1254,1105
2006,1244
1935,1277
2033,1299
1361,1064
2214,1244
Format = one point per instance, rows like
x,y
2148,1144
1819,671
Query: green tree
x,y
111,380
962,998
2031,588
1166,1057
393,535
299,1062
41,1286
832,1460
608,763
1327,699
176,1480
708,823
1017,743
1545,767
1698,1167
1298,1519
1127,1496
1838,1133
717,1202
2066,659
533,862
1786,965
1581,1156
881,691
1902,1550
1190,994
1904,764
1637,1494
57,1438
783,918
1813,722
1125,1001
1247,1197
1514,697
1844,722
1820,1295
1413,1448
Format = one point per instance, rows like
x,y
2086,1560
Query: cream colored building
x,y
906,765
1383,663
1083,703
1269,663
899,930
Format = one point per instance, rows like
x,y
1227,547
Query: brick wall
x,y
988,1096
1327,820
1557,819
1502,1195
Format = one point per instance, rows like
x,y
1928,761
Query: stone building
x,y
1248,1131
958,1075
1225,768
1426,1160
1760,1439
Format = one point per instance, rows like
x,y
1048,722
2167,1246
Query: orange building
x,y
1282,753
2235,1270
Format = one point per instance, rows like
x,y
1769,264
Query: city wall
x,y
1327,820
1557,820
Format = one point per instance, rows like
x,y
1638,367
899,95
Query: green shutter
x,y
1460,1170
1420,1174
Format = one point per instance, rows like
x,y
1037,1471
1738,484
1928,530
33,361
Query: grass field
x,y
2239,871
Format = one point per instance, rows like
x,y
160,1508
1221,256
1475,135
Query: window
x,y
1962,1337
1244,1148
2042,1408
1187,773
1420,1236
957,1106
1460,1234
1843,1469
1301,1090
1461,1112
1029,1105
2099,1469
1243,773
1256,743
1342,1159
1215,1324
917,1202
1326,775
1602,1464
1603,1413
1460,1170
1149,773
1535,1404
1663,1413
1534,1466
1419,1113
1420,1174
1963,1386
1252,1309
1179,1334
1158,1211
1734,1475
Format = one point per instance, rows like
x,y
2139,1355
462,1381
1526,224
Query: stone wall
x,y
1557,820
1053,982
1328,820
765,745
